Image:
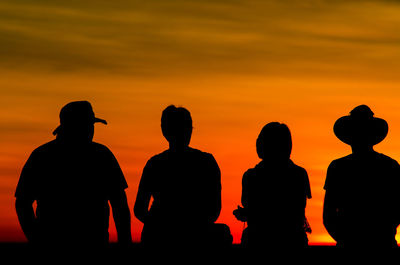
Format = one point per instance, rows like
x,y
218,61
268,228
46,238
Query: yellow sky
x,y
235,65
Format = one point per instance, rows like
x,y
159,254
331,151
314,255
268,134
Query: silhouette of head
x,y
274,143
361,128
176,126
77,122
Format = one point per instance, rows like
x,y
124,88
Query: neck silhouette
x,y
76,135
361,150
178,148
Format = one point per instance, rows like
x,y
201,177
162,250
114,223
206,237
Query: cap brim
x,y
57,130
100,120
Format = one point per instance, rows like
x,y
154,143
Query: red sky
x,y
235,65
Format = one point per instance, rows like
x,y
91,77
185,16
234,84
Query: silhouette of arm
x,y
26,217
25,197
143,195
331,211
245,191
118,200
122,216
330,216
396,199
212,203
241,212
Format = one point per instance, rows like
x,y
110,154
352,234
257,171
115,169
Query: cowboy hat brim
x,y
370,131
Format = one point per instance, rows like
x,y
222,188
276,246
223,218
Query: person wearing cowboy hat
x,y
361,205
72,179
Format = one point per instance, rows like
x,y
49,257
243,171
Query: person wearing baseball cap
x,y
73,180
74,117
361,205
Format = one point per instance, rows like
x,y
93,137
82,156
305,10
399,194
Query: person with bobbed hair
x,y
274,194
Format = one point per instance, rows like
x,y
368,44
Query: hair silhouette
x,y
274,194
73,180
185,185
176,126
361,200
274,142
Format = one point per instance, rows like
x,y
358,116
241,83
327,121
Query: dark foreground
x,y
23,253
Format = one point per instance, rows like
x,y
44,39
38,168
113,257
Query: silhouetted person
x,y
72,179
185,185
274,194
362,202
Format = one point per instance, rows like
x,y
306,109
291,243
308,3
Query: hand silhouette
x,y
241,214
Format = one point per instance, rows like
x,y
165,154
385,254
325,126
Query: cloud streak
x,y
158,37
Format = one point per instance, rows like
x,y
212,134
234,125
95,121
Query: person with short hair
x,y
185,185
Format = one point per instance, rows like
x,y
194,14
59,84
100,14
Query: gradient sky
x,y
236,65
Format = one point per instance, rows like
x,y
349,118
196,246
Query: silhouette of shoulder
x,y
109,163
175,167
375,155
27,183
190,150
100,147
345,168
191,153
45,148
295,170
334,165
54,145
298,170
301,173
53,156
248,176
103,150
346,161
386,159
341,160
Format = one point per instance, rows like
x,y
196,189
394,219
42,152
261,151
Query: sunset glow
x,y
235,65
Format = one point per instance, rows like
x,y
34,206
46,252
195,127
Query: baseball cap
x,y
77,112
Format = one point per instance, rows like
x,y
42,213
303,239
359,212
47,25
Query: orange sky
x,y
236,65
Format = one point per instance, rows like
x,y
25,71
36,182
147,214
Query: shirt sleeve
x,y
216,172
117,181
211,206
245,187
330,176
307,185
147,175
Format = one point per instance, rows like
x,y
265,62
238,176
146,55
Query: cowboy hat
x,y
361,127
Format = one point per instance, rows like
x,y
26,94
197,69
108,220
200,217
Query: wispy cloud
x,y
168,37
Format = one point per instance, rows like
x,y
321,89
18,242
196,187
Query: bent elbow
x,y
140,213
22,205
